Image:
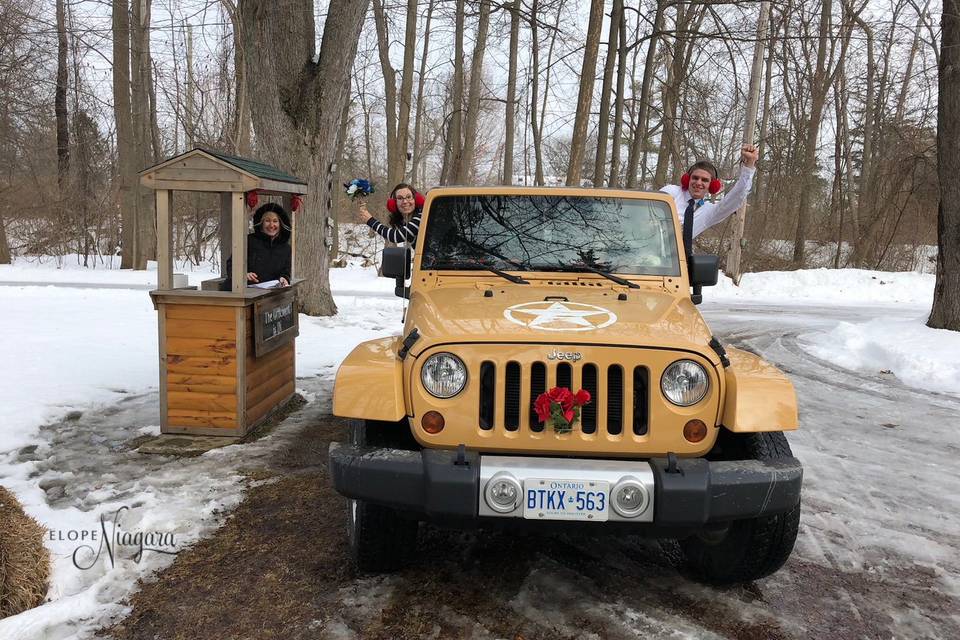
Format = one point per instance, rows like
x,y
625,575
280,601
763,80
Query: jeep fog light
x,y
630,497
503,493
684,383
443,375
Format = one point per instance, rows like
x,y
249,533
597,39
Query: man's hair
x,y
706,165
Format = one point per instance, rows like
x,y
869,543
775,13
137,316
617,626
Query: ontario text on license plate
x,y
556,499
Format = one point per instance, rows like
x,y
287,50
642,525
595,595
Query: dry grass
x,y
24,561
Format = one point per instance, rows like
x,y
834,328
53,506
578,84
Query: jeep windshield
x,y
551,233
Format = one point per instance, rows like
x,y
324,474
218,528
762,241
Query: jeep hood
x,y
557,315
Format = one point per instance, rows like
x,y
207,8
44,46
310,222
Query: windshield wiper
x,y
476,266
601,272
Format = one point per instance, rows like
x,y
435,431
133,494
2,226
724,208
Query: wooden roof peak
x,y
248,173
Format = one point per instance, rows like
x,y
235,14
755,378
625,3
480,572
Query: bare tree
x,y
753,102
585,96
60,104
945,313
126,147
639,133
466,165
603,126
511,105
454,147
418,130
297,102
824,76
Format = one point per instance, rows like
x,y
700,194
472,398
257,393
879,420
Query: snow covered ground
x,y
73,349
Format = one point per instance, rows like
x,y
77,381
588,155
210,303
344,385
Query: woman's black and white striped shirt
x,y
406,233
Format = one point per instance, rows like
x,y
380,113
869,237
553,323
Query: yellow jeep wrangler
x,y
519,296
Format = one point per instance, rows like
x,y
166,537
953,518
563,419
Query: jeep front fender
x,y
369,383
759,397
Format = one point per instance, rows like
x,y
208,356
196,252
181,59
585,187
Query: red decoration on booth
x,y
296,202
252,198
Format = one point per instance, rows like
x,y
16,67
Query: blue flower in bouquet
x,y
358,188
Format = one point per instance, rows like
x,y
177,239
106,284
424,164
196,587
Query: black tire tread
x,y
754,548
381,540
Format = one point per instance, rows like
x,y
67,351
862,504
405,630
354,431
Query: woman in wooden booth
x,y
268,248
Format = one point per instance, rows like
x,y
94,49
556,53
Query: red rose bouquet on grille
x,y
560,408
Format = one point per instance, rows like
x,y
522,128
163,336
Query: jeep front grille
x,y
608,386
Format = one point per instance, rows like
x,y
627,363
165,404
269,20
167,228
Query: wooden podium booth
x,y
227,358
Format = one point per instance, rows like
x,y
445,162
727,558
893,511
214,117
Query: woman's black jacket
x,y
268,258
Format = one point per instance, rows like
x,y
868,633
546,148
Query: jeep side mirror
x,y
704,272
395,263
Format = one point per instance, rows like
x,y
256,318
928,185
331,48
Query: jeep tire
x,y
748,549
381,539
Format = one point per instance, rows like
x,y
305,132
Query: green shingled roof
x,y
258,169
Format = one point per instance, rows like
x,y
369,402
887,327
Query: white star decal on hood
x,y
548,315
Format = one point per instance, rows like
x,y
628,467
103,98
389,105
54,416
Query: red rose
x,y
542,407
581,398
562,396
568,415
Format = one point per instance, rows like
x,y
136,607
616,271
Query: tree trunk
x,y
418,154
534,94
753,104
126,149
640,133
60,106
818,96
83,142
511,106
468,161
141,70
453,148
588,74
389,92
618,104
240,134
406,92
945,313
5,257
189,122
756,227
861,254
603,126
296,105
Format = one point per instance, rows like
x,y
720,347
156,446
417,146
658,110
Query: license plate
x,y
557,499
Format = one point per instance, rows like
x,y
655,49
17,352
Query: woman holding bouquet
x,y
405,206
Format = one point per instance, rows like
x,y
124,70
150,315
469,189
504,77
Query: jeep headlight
x,y
443,375
684,383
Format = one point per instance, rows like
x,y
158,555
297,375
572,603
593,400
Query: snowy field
x,y
83,348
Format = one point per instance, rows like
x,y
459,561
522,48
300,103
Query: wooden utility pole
x,y
753,102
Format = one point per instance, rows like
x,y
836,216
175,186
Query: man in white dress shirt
x,y
693,195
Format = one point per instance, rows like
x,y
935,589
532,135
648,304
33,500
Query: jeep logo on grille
x,y
572,356
550,315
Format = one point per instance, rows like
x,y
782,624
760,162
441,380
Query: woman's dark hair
x,y
396,218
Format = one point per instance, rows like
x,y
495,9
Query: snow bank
x,y
916,354
844,286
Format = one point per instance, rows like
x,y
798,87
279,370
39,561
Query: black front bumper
x,y
440,484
